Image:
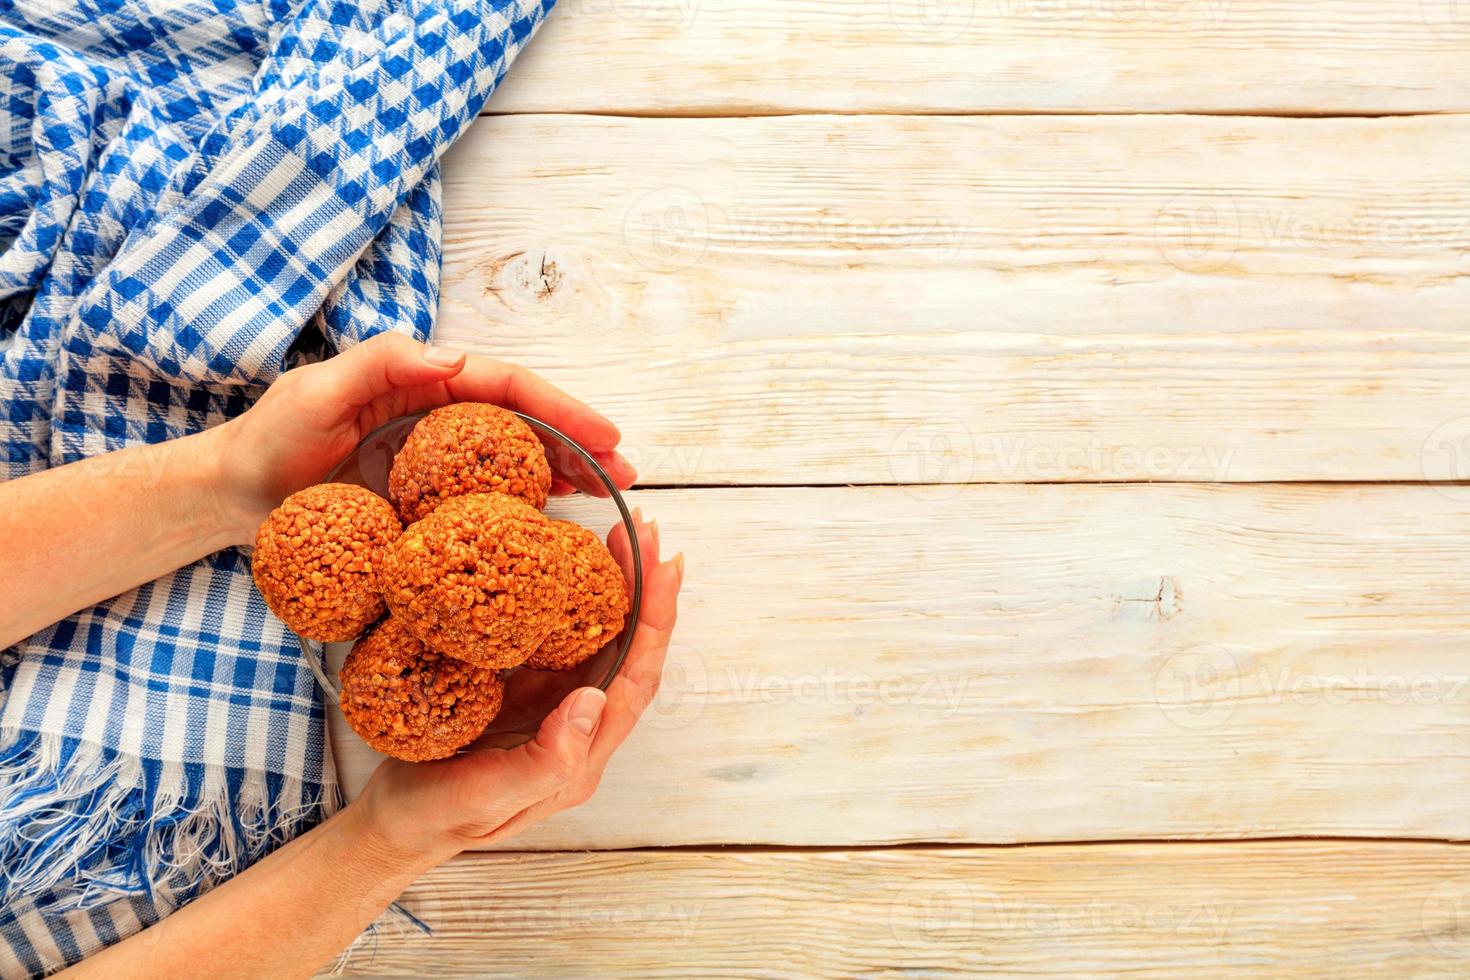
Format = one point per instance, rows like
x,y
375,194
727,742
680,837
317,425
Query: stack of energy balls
x,y
479,581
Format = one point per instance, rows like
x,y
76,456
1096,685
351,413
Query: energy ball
x,y
483,578
597,602
317,556
466,449
407,701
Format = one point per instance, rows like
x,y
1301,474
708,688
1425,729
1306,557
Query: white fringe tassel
x,y
81,826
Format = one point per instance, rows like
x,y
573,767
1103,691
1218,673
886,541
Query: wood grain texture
x,y
1325,909
745,57
1001,663
910,300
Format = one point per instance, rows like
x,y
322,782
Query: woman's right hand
x,y
437,809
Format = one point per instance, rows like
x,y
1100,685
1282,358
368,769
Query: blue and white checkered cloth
x,y
191,193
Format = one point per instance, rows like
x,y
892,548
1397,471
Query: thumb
x,y
556,757
382,364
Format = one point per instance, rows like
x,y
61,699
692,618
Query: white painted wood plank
x,y
741,57
902,300
1042,663
1319,909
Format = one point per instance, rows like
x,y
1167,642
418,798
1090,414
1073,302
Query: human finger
x,y
570,470
648,545
512,386
376,367
509,780
638,680
618,469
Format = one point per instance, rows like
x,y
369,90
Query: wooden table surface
x,y
1057,401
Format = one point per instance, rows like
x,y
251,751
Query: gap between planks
x,y
940,846
489,113
1454,485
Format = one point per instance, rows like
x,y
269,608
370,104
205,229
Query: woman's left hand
x,y
315,415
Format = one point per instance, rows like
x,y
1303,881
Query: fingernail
x,y
443,356
637,516
679,565
586,710
654,526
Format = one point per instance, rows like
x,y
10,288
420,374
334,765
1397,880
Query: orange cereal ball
x,y
465,449
597,602
483,578
407,701
316,559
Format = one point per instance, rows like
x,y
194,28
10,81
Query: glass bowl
x,y
530,695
